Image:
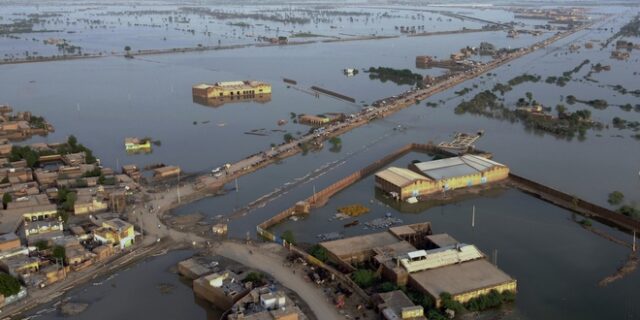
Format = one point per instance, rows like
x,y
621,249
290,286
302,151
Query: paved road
x,y
271,263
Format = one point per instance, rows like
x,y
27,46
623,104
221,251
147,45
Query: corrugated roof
x,y
455,167
399,176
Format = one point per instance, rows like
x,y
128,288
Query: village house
x,y
115,232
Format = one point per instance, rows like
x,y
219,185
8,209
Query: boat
x,y
352,223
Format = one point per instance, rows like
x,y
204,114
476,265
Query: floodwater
x,y
557,264
119,296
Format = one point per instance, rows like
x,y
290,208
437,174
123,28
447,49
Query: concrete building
x,y
193,269
395,305
432,264
402,183
46,230
86,204
115,232
9,242
423,61
222,289
231,89
265,304
439,175
166,172
136,144
463,281
349,251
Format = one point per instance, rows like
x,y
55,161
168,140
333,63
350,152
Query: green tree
x,y
42,245
364,278
72,141
59,252
319,252
388,286
6,198
449,303
616,198
69,201
561,109
288,137
288,236
256,278
529,96
8,285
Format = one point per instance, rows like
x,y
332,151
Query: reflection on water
x,y
218,102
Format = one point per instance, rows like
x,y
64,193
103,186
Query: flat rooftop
x,y
442,240
460,278
349,246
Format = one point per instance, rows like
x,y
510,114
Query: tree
x,y
42,245
59,252
127,49
449,303
288,137
364,278
561,109
529,96
72,141
319,252
288,237
8,285
388,286
615,198
6,198
256,278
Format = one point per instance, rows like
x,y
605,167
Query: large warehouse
x,y
439,175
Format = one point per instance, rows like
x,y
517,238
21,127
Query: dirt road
x,y
269,262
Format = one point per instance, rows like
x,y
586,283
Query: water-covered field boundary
x,y
541,191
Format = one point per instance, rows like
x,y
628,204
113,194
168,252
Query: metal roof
x,y
400,176
456,167
417,254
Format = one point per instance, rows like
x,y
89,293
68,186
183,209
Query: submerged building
x,y
425,178
231,89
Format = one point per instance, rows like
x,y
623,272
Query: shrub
x,y
319,252
364,278
615,198
8,285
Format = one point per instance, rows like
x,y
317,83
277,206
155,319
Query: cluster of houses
x,y
61,212
243,298
20,126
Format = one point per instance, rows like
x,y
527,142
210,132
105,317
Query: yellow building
x,y
135,144
231,89
440,175
115,232
89,204
402,183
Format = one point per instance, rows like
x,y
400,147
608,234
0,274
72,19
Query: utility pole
x,y
473,217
